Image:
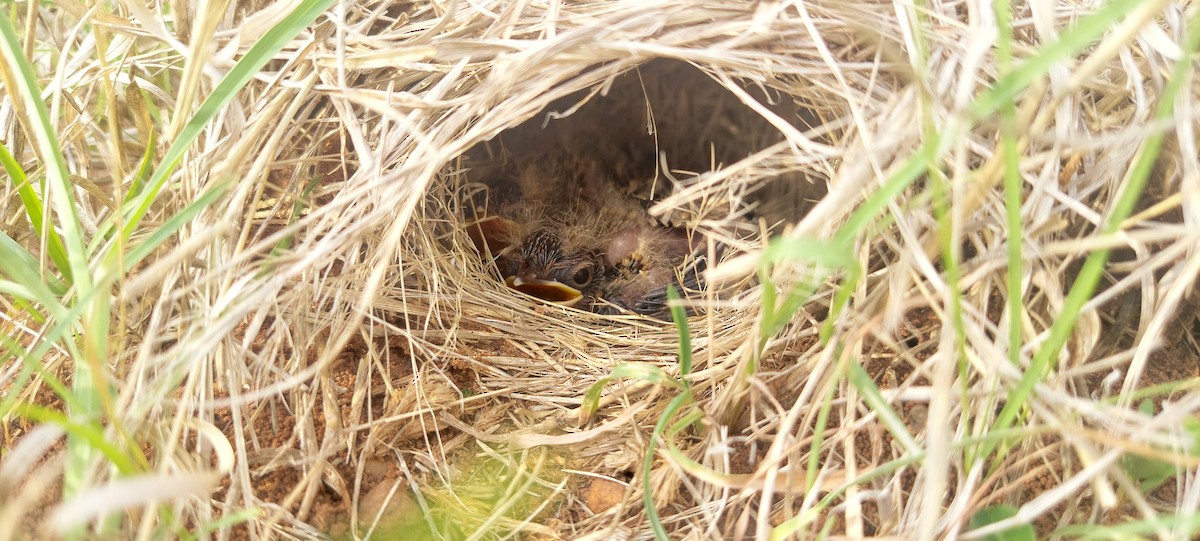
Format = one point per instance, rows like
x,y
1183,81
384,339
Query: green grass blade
x,y
89,360
788,529
900,180
242,73
172,226
1093,267
1086,30
26,283
679,315
30,365
21,79
996,513
91,432
652,516
1186,526
144,170
639,371
1012,185
874,399
36,212
1072,40
21,267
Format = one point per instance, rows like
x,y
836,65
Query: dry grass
x,y
319,350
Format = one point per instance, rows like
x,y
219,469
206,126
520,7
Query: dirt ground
x,y
331,512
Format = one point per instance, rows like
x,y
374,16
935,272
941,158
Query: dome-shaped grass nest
x,y
946,284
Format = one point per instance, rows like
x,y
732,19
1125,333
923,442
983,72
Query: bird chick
x,y
564,232
643,261
531,232
541,267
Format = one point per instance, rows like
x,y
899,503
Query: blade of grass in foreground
x,y
87,370
88,314
674,406
998,98
791,527
259,54
1072,40
1093,267
1187,526
21,80
656,375
1010,162
1012,184
36,213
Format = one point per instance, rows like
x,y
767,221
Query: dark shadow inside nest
x,y
576,205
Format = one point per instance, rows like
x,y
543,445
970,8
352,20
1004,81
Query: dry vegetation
x,y
957,289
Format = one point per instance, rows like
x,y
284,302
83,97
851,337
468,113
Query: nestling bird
x,y
642,261
543,267
561,229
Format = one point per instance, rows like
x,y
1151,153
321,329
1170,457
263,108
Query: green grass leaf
x,y
679,316
639,371
243,72
20,80
996,513
1079,36
674,406
1094,266
874,398
36,212
1185,526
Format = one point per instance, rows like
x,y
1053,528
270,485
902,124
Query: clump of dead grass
x,y
326,328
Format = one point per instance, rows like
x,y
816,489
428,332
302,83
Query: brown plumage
x,y
642,261
563,231
541,266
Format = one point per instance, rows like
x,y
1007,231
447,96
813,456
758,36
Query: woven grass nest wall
x,y
950,292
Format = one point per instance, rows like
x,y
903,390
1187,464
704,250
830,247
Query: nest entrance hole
x,y
693,154
667,121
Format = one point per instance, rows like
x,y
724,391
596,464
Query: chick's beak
x,y
547,290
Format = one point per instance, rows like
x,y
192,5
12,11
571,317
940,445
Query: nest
x,y
372,373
